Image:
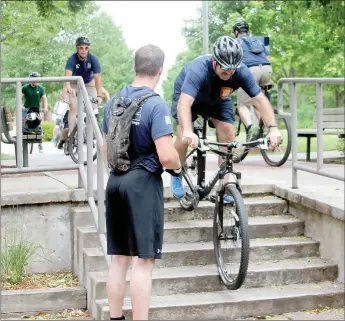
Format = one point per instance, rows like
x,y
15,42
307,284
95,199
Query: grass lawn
x,y
7,157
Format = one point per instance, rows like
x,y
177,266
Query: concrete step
x,y
259,226
202,253
244,302
195,279
81,217
87,237
256,206
201,230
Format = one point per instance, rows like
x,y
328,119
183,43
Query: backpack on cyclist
x,y
254,45
119,127
32,122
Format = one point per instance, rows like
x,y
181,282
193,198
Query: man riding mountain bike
x,y
256,58
85,64
203,88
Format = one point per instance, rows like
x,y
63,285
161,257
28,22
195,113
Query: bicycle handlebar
x,y
261,143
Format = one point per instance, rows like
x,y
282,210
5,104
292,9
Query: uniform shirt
x,y
86,69
198,79
32,95
151,121
250,58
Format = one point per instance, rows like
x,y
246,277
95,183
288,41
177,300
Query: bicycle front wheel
x,y
73,146
231,239
279,156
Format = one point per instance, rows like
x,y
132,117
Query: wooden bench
x,y
332,124
7,126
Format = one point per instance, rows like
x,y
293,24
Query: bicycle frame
x,y
202,190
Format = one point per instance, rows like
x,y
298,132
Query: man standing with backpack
x,y
256,58
137,144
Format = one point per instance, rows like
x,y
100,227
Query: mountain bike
x,y
72,141
280,154
230,221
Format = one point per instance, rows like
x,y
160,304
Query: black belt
x,y
266,64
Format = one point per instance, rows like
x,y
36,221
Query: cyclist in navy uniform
x,y
85,64
135,222
256,58
203,88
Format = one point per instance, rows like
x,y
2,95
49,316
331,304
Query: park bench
x,y
332,124
7,126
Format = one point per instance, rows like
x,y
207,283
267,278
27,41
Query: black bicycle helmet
x,y
82,41
227,52
35,74
240,26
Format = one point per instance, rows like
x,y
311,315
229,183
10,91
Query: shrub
x,y
15,256
48,129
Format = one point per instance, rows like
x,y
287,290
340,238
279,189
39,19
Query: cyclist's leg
x,y
72,100
64,133
181,148
223,117
92,91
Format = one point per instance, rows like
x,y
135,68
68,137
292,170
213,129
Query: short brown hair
x,y
148,60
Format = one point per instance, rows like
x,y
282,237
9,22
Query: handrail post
x,y
19,125
89,148
100,190
80,136
293,107
319,122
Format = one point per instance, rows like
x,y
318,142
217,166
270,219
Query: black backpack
x,y
119,127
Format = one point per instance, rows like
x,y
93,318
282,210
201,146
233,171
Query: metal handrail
x,y
85,178
319,130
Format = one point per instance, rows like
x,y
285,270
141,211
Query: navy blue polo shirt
x,y
86,69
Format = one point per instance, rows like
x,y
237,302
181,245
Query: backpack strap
x,y
141,100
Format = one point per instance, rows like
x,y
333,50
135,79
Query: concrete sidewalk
x,y
254,171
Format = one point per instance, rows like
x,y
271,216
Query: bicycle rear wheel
x,y
230,228
73,146
280,155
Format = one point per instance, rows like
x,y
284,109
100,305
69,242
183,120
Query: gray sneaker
x,y
253,133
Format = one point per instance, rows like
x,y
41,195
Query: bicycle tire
x,y
70,140
282,161
242,229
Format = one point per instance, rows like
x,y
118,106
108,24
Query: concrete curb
x,y
40,197
45,299
309,201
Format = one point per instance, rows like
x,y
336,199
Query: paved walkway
x,y
254,171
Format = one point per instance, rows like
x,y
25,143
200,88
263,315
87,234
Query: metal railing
x,y
85,178
319,120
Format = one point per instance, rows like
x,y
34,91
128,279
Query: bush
x,y
15,256
48,129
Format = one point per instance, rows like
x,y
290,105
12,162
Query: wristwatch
x,y
273,125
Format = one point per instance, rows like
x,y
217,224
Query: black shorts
x,y
223,110
135,214
65,119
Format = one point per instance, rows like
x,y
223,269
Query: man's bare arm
x,y
167,153
98,84
262,104
68,73
184,112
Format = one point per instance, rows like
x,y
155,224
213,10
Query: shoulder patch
x,y
167,120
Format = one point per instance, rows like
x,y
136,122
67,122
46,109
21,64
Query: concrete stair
x,y
285,272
